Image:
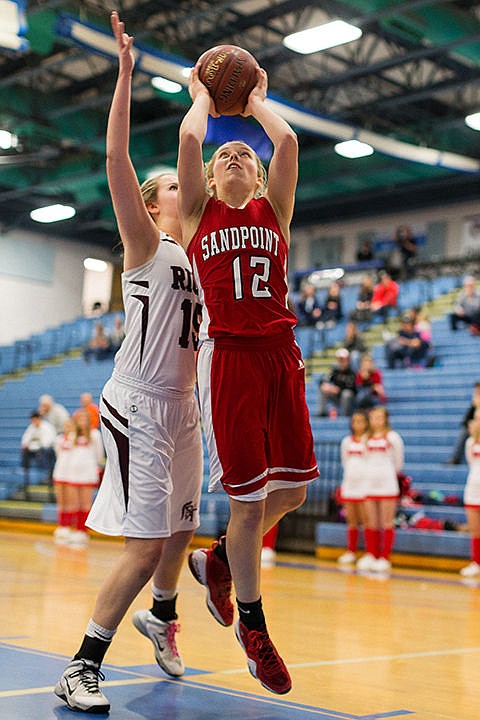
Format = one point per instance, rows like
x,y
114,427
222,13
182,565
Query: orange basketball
x,y
230,73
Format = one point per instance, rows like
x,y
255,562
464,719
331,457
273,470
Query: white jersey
x,y
471,495
353,453
162,316
384,460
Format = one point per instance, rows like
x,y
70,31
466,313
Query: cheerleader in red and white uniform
x,y
82,474
471,496
353,451
63,446
385,455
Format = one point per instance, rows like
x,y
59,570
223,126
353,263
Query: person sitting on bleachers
x,y
365,251
337,388
86,403
467,307
98,345
355,344
331,312
38,445
385,296
308,308
369,384
117,335
55,413
457,456
363,305
407,346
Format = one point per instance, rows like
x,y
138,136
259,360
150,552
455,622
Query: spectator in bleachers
x,y
406,247
369,384
407,347
353,451
458,452
86,403
471,497
337,388
308,307
363,306
117,335
55,413
385,296
385,455
467,307
331,311
365,251
38,445
355,344
98,346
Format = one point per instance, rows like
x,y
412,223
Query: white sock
x,y
160,594
97,631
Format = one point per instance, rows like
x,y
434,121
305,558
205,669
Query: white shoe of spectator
x,y
268,556
366,562
62,534
470,570
347,558
381,565
78,539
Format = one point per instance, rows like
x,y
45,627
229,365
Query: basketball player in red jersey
x,y
150,492
250,371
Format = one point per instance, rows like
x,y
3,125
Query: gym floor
x,y
359,647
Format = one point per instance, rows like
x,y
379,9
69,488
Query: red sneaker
x,y
264,662
209,570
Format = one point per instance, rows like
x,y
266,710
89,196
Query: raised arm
x,y
138,231
192,195
283,169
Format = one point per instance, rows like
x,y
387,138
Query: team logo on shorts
x,y
133,408
187,511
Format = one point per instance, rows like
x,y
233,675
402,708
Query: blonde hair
x,y
386,416
261,171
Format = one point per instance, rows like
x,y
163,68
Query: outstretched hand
x,y
126,56
259,92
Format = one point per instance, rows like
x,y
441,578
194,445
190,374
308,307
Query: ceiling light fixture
x,y
95,264
473,121
353,149
7,140
337,32
168,86
52,213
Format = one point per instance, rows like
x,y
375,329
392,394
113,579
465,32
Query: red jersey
x,y
239,259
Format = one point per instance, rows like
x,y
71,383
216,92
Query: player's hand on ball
x,y
196,88
259,92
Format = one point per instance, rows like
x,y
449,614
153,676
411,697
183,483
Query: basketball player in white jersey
x,y
150,420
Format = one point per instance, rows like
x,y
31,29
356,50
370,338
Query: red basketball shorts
x,y
255,416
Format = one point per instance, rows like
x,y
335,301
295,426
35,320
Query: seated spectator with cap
x,y
337,388
385,296
407,347
55,413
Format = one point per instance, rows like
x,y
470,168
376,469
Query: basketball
x,y
230,73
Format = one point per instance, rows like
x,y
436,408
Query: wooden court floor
x,y
358,647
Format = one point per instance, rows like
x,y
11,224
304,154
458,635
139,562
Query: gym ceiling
x,y
412,77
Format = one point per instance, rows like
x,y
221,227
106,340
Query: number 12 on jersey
x,y
260,278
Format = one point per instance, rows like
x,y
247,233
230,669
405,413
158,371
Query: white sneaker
x,y
78,687
348,558
162,635
381,565
470,570
78,539
61,535
366,562
268,556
